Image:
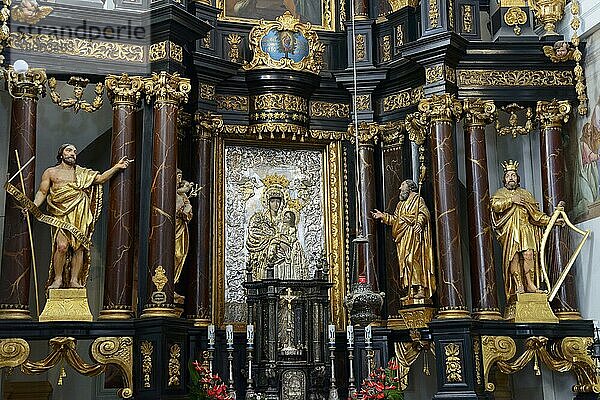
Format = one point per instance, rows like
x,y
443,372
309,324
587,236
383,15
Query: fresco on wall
x,y
305,10
586,147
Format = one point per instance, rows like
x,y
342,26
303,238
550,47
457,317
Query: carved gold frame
x,y
335,242
327,15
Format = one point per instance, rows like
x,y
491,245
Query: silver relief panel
x,y
246,169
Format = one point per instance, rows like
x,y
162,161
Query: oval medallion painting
x,y
285,44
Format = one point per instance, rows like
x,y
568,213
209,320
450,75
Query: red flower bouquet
x,y
206,385
381,384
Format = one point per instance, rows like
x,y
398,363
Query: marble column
x,y
199,273
367,251
168,91
552,115
124,93
479,113
442,111
16,251
361,9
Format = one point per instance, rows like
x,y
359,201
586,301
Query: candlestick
x,y
368,335
229,335
350,338
331,334
250,334
211,335
350,335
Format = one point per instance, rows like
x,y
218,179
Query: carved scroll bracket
x,y
407,353
568,354
105,350
77,102
479,112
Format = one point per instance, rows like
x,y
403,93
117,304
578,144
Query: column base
x,y
529,307
490,315
7,312
116,313
66,305
169,312
198,321
453,313
573,315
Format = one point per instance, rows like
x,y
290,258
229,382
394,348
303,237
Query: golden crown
x,y
271,180
510,165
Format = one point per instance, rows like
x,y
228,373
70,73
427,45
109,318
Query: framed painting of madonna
x,y
280,211
320,13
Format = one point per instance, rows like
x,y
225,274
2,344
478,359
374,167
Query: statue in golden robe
x,y
183,215
519,225
412,234
74,199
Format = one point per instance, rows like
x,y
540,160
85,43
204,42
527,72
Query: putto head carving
x,y
510,165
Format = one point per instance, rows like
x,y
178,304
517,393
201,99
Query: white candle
x,y
229,334
368,334
350,335
211,335
250,334
331,334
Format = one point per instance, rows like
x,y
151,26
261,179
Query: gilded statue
x,y
73,196
519,225
183,215
273,235
412,233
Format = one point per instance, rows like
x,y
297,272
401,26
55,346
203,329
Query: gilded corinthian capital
x,y
444,107
124,89
553,113
167,88
31,84
207,125
479,112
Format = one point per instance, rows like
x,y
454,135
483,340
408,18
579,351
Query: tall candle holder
x,y
229,335
333,393
249,349
211,346
350,340
369,350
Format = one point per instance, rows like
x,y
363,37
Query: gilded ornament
x,y
327,15
391,133
513,128
444,107
360,43
363,102
406,355
146,348
403,99
174,365
450,74
124,89
386,49
279,101
467,18
488,77
96,49
451,14
233,103
207,91
159,278
514,17
548,12
396,5
582,109
66,305
434,14
31,84
234,40
324,109
479,112
30,12
434,73
158,51
13,352
176,52
399,37
284,129
312,62
207,125
368,132
560,51
77,102
328,135
4,29
206,41
477,357
167,88
494,349
553,113
416,126
117,351
453,365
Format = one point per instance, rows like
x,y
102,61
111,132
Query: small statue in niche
x,y
412,234
183,215
519,225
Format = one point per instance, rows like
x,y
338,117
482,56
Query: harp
x,y
567,230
